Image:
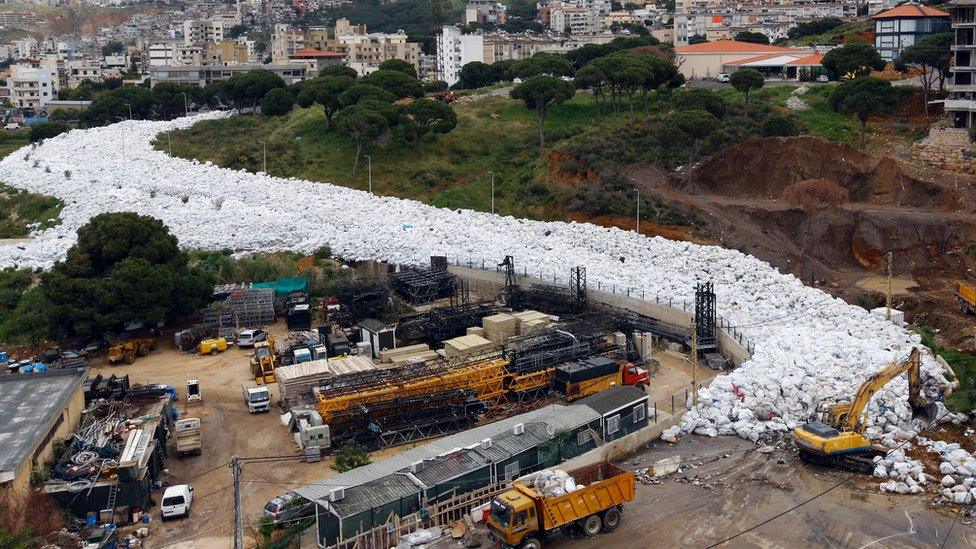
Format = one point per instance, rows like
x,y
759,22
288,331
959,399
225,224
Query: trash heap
x,y
958,467
555,483
810,349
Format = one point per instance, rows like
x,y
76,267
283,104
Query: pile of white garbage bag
x,y
810,349
555,483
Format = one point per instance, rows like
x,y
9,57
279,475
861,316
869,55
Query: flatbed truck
x,y
188,440
524,518
588,377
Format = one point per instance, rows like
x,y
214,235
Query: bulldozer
x,y
127,351
264,360
838,439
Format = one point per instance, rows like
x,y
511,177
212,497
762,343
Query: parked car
x,y
723,78
12,126
823,78
248,338
288,508
176,501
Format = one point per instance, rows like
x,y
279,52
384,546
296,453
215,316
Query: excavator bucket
x,y
926,412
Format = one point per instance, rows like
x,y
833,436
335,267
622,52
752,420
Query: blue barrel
x,y
26,368
40,368
4,357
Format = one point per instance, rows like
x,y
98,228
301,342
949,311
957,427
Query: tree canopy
x,y
399,65
45,130
359,92
363,125
326,91
930,57
397,83
425,116
124,268
540,93
277,102
754,37
248,88
852,60
746,80
477,75
863,97
542,63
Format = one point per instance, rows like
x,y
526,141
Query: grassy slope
x,y
839,35
493,134
18,209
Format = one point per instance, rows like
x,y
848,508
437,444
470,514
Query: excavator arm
x,y
849,416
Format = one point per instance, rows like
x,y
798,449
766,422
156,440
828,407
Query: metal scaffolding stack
x,y
360,299
705,316
244,307
423,286
546,350
553,299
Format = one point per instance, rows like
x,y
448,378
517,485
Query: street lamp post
x,y
369,172
492,174
638,210
121,119
130,110
186,107
264,157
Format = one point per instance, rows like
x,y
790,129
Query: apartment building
x,y
80,70
201,75
960,106
899,28
227,52
285,41
162,54
484,11
202,31
365,52
505,46
455,50
30,87
573,20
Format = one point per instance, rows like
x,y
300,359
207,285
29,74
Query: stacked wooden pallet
x,y
476,331
390,355
530,322
466,345
500,327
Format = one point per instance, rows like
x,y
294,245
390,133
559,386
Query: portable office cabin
x,y
623,410
366,506
455,473
377,334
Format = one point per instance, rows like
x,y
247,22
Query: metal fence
x,y
636,293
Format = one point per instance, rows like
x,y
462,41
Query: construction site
x,y
477,380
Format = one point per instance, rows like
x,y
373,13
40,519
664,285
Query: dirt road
x,y
228,430
717,497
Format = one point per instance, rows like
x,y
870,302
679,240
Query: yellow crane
x,y
839,441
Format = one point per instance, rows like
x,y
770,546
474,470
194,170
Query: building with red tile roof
x,y
903,26
708,59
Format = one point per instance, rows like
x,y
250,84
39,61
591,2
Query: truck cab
x,y
513,520
635,376
257,399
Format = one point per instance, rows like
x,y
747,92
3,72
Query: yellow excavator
x,y
839,441
264,360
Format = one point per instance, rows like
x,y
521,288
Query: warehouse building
x,y
369,496
38,409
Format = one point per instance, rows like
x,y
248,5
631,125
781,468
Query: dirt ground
x,y
228,429
726,488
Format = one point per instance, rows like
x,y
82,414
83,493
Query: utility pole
x,y
888,302
186,107
369,172
638,210
265,157
235,468
169,139
694,363
130,110
492,174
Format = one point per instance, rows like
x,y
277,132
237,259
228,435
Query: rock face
x,y
762,168
809,348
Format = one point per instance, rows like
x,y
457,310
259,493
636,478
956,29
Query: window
x,y
887,26
908,25
613,424
583,438
639,413
511,471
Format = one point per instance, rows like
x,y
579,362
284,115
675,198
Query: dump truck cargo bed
x,y
605,486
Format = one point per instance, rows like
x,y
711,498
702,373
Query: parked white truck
x,y
257,399
188,437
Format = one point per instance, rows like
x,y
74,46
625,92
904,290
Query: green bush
x,y
277,102
45,130
778,125
351,456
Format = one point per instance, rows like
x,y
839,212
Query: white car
x,y
723,78
248,338
176,501
12,126
823,78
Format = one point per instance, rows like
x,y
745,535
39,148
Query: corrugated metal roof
x,y
373,494
449,467
557,416
613,398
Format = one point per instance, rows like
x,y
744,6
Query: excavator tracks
x,y
859,463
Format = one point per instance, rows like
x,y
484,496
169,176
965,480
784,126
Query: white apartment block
x,y
30,87
284,42
365,52
575,20
723,21
162,54
504,46
455,50
81,70
202,31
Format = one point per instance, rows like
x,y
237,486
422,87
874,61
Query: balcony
x,y
960,105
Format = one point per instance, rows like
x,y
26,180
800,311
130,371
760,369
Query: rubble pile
x,y
809,348
555,483
958,467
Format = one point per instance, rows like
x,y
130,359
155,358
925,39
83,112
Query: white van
x,y
723,78
176,501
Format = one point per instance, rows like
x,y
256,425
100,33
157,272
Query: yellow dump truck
x,y
966,294
523,517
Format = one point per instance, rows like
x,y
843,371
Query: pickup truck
x,y
257,399
523,517
188,437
